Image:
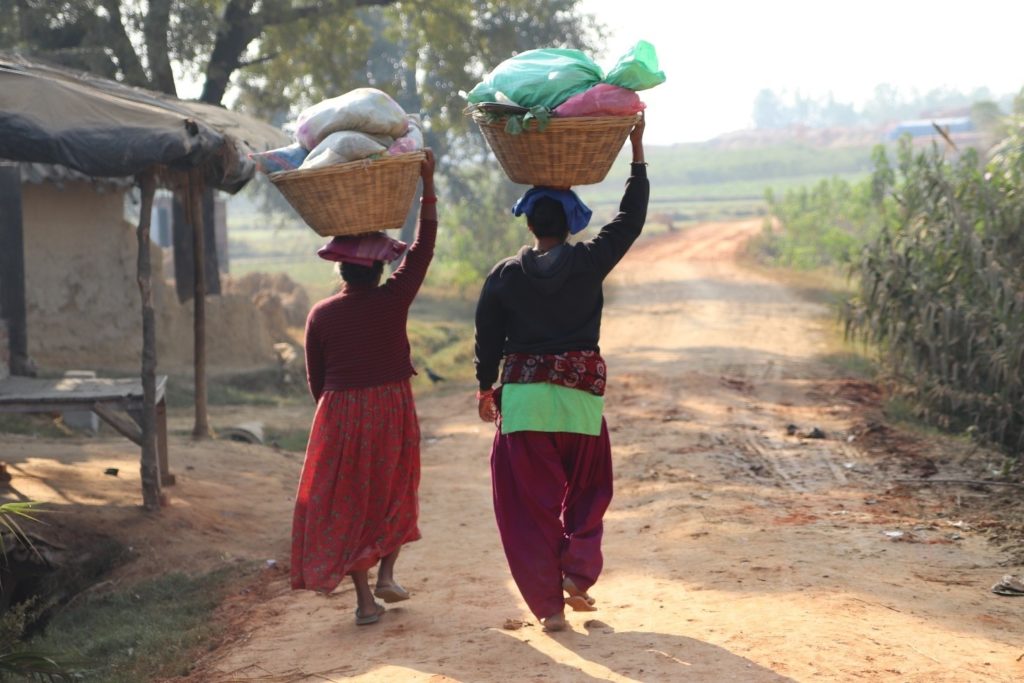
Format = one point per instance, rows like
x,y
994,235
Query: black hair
x,y
356,274
548,219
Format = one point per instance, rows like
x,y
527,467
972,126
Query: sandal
x,y
578,599
391,592
365,619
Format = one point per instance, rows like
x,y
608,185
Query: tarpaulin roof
x,y
99,127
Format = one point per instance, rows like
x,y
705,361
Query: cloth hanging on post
x,y
184,258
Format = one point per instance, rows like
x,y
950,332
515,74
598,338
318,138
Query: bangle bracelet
x,y
432,199
481,395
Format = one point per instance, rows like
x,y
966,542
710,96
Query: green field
x,y
689,183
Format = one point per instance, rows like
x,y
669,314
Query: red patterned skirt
x,y
357,498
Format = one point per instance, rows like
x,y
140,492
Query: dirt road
x,y
734,550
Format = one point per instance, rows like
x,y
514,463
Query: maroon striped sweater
x,y
357,338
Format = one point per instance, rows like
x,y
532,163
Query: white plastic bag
x,y
344,146
366,110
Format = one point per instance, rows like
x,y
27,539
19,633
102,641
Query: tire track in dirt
x,y
734,551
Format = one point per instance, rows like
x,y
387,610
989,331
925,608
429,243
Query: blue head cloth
x,y
576,212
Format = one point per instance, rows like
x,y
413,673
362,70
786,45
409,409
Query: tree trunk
x,y
237,29
127,59
155,31
150,467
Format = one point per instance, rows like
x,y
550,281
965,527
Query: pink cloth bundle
x,y
362,249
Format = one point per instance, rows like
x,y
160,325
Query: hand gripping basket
x,y
576,150
355,197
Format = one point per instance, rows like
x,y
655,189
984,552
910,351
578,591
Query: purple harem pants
x,y
551,490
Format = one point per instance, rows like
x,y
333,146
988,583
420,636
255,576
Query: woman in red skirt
x,y
357,499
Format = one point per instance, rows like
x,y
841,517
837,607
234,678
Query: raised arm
x,y
615,239
407,279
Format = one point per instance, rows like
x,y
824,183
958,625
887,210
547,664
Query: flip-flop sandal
x,y
365,619
579,604
391,593
578,600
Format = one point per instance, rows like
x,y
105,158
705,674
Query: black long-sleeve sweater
x,y
552,303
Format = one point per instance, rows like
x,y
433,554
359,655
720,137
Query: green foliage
x,y
19,662
423,53
942,292
824,225
988,117
446,347
10,514
708,163
137,42
478,231
140,633
15,658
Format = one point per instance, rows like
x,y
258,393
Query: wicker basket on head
x,y
353,198
569,151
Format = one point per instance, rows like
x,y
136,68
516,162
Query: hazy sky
x,y
717,54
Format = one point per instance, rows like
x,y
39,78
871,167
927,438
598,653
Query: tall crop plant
x,y
941,287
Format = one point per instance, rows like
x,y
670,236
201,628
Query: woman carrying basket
x,y
357,500
551,462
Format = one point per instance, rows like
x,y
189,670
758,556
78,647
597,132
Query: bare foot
x,y
556,622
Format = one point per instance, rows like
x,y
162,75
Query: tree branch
x,y
277,15
259,60
240,26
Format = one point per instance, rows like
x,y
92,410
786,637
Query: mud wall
x,y
83,300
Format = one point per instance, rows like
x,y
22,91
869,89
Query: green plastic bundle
x,y
637,69
545,77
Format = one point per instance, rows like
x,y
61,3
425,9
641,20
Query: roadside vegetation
x,y
148,631
932,244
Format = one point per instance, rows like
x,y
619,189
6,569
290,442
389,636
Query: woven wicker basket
x,y
353,198
570,151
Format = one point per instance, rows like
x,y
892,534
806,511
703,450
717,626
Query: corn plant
x,y
941,288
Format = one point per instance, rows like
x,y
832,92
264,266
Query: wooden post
x,y
150,468
201,430
12,269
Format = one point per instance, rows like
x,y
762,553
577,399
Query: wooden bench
x,y
108,398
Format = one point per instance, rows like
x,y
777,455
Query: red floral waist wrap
x,y
583,370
